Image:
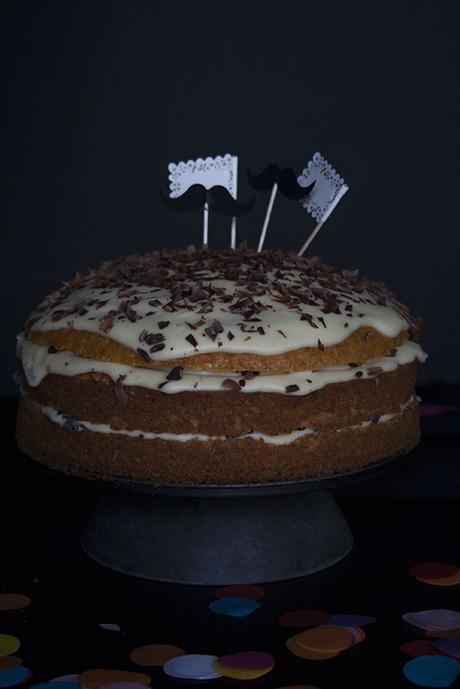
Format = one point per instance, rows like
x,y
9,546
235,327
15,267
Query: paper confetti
x,y
432,570
350,620
110,627
14,676
192,666
444,634
62,685
303,618
13,601
300,652
298,686
66,678
449,646
123,685
432,671
247,665
8,662
97,678
251,591
325,639
434,620
436,573
8,645
234,606
155,654
419,648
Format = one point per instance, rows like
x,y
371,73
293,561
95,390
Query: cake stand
x,y
226,534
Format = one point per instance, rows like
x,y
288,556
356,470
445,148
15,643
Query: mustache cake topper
x,y
285,178
207,183
218,199
276,178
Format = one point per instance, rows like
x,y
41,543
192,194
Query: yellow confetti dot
x,y
8,645
240,673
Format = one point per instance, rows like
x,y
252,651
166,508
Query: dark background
x,y
98,97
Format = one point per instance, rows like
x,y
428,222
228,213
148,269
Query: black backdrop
x,y
99,96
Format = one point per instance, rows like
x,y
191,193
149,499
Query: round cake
x,y
233,367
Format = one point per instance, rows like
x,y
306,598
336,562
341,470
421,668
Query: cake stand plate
x,y
215,535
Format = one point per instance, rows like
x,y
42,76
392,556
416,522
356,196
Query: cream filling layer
x,y
63,419
38,362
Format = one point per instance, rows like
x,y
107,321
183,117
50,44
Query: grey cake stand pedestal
x,y
213,535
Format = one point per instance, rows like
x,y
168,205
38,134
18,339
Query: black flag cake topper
x,y
209,183
276,178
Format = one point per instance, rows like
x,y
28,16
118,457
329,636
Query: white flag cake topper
x,y
328,190
209,172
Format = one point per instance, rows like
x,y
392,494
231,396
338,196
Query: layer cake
x,y
200,367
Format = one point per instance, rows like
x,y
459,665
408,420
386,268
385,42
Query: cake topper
x,y
274,178
325,195
207,183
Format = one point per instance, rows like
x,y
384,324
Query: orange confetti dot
x,y
155,654
14,601
300,652
94,679
325,639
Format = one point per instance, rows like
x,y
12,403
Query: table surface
x,y
409,515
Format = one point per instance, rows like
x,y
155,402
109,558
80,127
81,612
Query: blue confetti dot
x,y
14,676
432,671
234,606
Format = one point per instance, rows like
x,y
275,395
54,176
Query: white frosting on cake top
x,y
177,304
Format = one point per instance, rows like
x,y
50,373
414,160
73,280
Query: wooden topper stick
x,y
205,224
233,234
267,217
310,238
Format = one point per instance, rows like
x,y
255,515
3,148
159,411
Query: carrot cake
x,y
201,367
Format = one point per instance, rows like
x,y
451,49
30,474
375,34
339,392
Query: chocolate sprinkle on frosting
x,y
292,388
229,384
175,373
192,340
142,353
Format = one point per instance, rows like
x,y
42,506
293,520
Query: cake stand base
x,y
214,541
